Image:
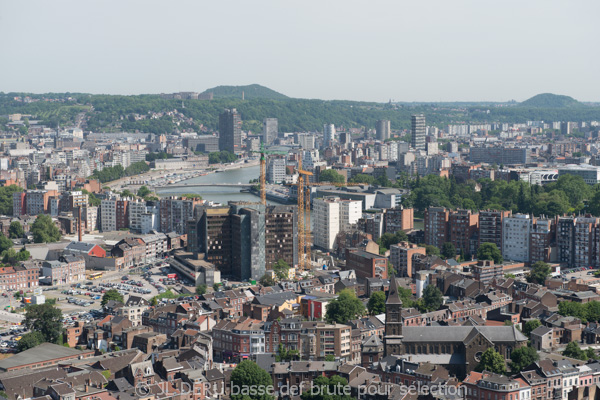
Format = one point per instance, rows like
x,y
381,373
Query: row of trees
x,y
221,157
109,174
588,312
570,194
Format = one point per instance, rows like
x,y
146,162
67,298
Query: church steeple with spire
x,y
393,320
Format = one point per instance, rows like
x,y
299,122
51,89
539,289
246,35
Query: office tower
x,y
270,130
243,240
515,237
281,236
230,131
418,132
490,226
382,129
328,134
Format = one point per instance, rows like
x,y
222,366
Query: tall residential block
x,y
230,131
436,226
542,235
516,231
398,219
175,212
382,129
418,132
462,226
332,215
328,135
270,130
490,226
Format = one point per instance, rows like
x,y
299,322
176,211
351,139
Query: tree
x,y
250,382
201,289
15,231
539,272
112,294
143,191
5,243
46,319
44,230
574,351
30,340
267,280
281,269
522,357
386,240
11,257
324,388
346,307
530,326
376,303
331,175
431,250
216,287
330,357
489,251
432,298
448,250
491,361
590,354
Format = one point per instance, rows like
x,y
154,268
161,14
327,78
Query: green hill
x,y
254,91
549,100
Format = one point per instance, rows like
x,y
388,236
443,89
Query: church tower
x,y
393,320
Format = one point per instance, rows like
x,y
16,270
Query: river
x,y
220,194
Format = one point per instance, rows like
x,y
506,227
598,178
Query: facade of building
x,y
462,226
230,131
490,226
270,130
276,170
382,129
516,233
436,226
331,216
418,132
498,155
401,257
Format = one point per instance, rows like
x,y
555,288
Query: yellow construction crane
x,y
263,171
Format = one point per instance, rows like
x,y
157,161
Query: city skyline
x,y
463,51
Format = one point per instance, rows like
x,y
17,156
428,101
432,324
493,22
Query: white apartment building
x,y
331,216
276,170
142,219
108,215
328,134
516,231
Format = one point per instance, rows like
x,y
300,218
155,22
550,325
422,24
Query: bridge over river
x,y
194,185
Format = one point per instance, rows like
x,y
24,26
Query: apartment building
x,y
516,231
332,215
565,237
401,257
398,219
542,232
585,242
463,228
19,278
67,269
490,226
436,226
281,239
108,215
175,212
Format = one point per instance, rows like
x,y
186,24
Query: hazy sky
x,y
420,50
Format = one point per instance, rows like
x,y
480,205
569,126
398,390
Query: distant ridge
x,y
549,100
254,91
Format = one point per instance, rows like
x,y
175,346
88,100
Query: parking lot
x,y
585,273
